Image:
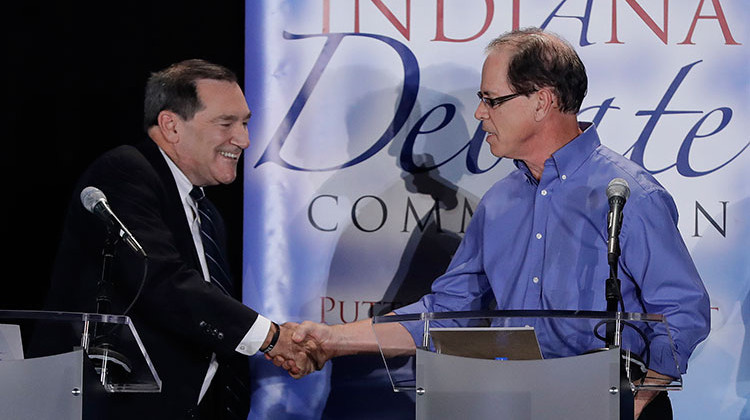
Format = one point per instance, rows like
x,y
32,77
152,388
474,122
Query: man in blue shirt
x,y
538,238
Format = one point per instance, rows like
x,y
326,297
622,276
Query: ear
x,y
546,102
168,123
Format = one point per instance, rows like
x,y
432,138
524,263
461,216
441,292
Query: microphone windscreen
x,y
618,187
90,196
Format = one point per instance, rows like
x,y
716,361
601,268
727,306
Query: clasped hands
x,y
302,348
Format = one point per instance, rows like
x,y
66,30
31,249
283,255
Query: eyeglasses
x,y
494,102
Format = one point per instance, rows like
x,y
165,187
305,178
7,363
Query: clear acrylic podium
x,y
69,363
566,383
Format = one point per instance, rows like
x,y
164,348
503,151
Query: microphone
x,y
617,194
95,202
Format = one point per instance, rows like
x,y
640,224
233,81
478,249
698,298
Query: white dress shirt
x,y
255,337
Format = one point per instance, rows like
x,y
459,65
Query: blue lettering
x,y
408,98
472,157
407,151
683,157
639,147
602,109
583,41
474,145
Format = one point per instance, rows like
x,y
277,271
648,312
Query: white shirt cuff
x,y
254,338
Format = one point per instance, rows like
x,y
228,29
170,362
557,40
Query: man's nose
x,y
241,137
481,111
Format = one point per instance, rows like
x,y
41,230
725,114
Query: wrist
x,y
271,339
339,342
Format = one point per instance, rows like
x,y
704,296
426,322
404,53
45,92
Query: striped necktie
x,y
213,244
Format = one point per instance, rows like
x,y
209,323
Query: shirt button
x,y
564,177
539,236
242,347
544,192
535,279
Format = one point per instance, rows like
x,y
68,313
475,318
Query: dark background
x,y
74,74
73,85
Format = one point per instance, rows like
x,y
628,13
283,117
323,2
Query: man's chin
x,y
228,180
227,173
224,179
497,151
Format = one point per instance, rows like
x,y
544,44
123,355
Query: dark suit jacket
x,y
181,318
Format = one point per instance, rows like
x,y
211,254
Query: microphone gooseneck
x,y
618,193
94,200
110,365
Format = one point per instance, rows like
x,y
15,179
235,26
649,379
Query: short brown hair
x,y
541,59
175,89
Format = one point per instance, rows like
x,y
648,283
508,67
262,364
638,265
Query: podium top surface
x,y
111,342
536,313
64,316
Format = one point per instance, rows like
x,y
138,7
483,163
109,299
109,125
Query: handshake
x,y
303,348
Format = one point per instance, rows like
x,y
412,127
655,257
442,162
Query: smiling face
x,y
209,145
510,125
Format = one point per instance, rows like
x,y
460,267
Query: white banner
x,y
366,163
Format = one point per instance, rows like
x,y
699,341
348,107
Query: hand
x,y
644,397
319,341
290,355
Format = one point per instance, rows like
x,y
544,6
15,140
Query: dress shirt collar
x,y
184,186
567,159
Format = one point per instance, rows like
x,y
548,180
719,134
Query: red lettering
x,y
326,16
328,305
323,309
661,33
372,306
728,39
440,30
404,30
356,312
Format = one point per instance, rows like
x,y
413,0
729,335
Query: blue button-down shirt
x,y
543,245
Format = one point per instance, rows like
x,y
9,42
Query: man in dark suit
x,y
195,329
